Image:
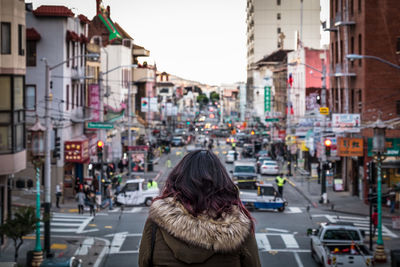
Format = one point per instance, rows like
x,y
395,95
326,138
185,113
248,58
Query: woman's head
x,y
201,183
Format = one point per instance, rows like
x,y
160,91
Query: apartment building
x,y
12,103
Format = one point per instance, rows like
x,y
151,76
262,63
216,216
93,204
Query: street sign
x,y
324,111
100,125
272,120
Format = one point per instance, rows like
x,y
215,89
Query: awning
x,y
72,36
32,35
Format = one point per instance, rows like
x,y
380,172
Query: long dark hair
x,y
201,184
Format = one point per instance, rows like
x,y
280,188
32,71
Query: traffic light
x,y
57,146
100,145
318,99
328,144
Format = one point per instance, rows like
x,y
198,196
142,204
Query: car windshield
x,y
270,163
267,191
244,169
176,139
341,234
231,153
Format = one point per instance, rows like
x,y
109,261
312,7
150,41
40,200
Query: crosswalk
x,y
271,242
68,223
361,222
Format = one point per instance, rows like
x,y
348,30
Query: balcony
x,y
340,72
143,74
340,20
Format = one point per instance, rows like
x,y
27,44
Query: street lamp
x,y
37,153
357,56
378,148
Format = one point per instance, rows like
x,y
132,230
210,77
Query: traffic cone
x,y
352,248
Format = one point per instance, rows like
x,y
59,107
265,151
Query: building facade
x,y
279,24
12,102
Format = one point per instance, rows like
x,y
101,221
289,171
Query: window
x,y
67,53
73,54
31,53
77,95
352,108
359,49
398,45
5,92
67,98
352,49
18,93
359,6
278,30
82,94
30,97
359,101
21,51
336,52
5,139
6,38
352,7
278,2
73,97
278,16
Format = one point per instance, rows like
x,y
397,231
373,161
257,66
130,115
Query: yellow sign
x,y
324,111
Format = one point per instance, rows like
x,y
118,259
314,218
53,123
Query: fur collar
x,y
222,235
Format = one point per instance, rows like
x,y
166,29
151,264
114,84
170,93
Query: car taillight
x,y
328,261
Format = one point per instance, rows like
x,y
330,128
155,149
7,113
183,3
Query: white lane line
x,y
262,242
136,209
83,225
298,260
117,242
65,215
86,245
66,219
60,230
64,224
277,230
103,252
289,241
294,210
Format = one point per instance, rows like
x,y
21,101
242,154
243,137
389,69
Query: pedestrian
x,y
152,184
92,203
199,219
58,194
109,196
210,146
374,218
80,197
280,182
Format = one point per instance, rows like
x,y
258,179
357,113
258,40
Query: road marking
x,y
277,230
92,225
293,210
298,260
103,252
73,210
89,231
262,242
58,246
289,241
117,242
86,245
108,227
136,209
83,225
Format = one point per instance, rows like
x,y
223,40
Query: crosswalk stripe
x,y
293,210
262,242
289,241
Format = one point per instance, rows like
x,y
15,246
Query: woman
x,y
199,219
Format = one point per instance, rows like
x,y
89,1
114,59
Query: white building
x,y
56,34
279,24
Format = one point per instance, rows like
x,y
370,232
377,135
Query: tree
x,y
23,223
202,99
214,96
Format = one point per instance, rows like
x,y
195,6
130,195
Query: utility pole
x,y
47,163
129,130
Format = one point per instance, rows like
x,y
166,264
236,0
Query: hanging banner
x,y
346,123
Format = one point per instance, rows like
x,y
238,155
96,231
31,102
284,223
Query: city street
x,y
112,238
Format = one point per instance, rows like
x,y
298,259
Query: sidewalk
x,y
342,202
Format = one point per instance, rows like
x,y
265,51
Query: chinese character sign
x,y
267,98
94,101
350,147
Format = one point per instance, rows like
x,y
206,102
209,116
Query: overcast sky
x,y
202,40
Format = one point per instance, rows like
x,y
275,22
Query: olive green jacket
x,y
185,240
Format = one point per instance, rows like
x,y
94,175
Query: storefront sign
x,y
76,151
346,123
392,146
350,147
94,101
267,98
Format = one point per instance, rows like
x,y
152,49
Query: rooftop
x,y
53,11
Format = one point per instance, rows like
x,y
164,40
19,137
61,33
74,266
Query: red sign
x,y
76,151
282,134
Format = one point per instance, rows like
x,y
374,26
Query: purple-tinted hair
x,y
201,183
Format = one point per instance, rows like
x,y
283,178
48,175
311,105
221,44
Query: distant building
x,y
12,103
279,24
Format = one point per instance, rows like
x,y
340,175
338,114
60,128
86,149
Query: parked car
x,y
269,167
230,156
260,160
177,141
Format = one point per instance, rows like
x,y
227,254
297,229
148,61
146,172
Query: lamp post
x,y
47,148
38,152
378,147
357,56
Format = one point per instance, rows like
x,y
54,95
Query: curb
x,y
302,193
355,213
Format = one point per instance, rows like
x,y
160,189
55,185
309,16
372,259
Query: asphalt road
x,y
112,238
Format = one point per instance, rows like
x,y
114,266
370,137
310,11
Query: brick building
x,y
366,86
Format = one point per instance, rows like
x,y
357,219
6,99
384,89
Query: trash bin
x,y
395,256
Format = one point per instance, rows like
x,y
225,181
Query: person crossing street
x,y
152,184
280,182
